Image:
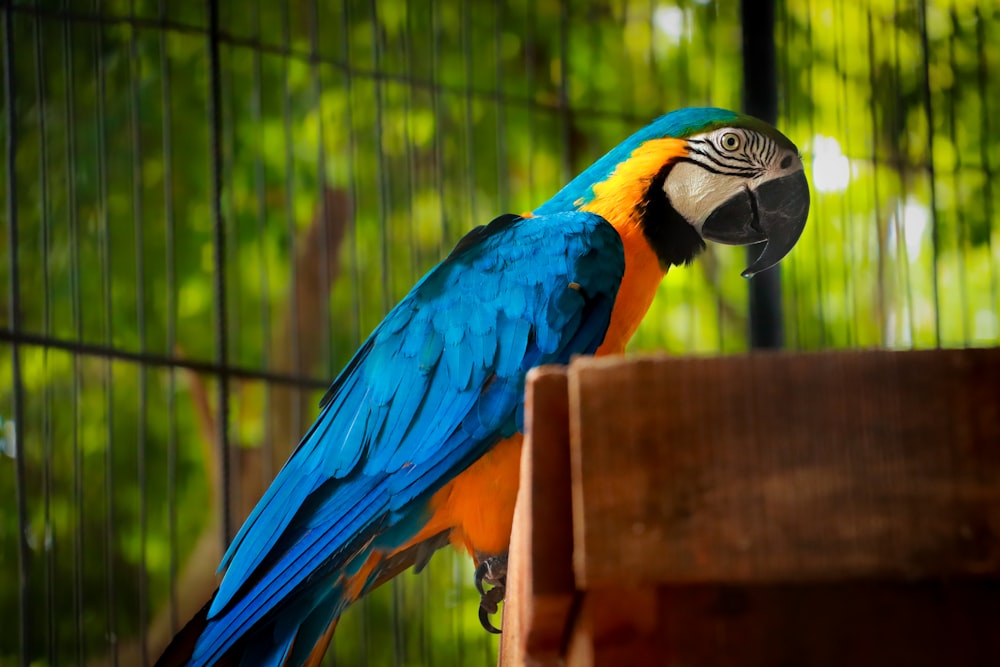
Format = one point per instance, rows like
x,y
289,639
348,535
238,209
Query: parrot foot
x,y
492,571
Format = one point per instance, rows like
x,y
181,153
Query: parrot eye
x,y
730,141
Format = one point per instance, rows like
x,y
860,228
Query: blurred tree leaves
x,y
429,118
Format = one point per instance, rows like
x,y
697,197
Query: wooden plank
x,y
786,467
616,627
862,624
540,576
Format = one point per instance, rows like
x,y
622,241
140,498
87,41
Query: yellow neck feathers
x,y
617,200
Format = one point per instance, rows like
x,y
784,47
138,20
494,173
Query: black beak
x,y
775,212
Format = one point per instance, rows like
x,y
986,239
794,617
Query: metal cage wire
x,y
207,207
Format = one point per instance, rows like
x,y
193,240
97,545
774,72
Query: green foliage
x,y
906,254
434,117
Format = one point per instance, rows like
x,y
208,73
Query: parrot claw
x,y
492,571
490,605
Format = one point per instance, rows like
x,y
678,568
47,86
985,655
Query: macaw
x,y
417,443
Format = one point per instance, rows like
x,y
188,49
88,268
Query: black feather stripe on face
x,y
671,236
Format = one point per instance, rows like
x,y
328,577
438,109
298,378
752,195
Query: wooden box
x,y
771,509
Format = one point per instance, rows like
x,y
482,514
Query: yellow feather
x,y
616,200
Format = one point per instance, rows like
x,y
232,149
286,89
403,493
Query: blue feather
x,y
514,334
405,405
437,384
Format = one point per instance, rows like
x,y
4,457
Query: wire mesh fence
x,y
207,206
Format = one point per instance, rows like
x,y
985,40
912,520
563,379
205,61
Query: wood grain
x,y
861,624
771,468
541,589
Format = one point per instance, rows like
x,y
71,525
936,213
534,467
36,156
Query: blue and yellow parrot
x,y
417,443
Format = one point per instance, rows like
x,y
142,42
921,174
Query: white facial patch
x,y
695,192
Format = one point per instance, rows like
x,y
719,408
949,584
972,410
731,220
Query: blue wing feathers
x,y
514,334
430,352
289,489
481,319
438,382
406,405
303,559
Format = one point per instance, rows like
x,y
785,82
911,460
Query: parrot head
x,y
698,174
